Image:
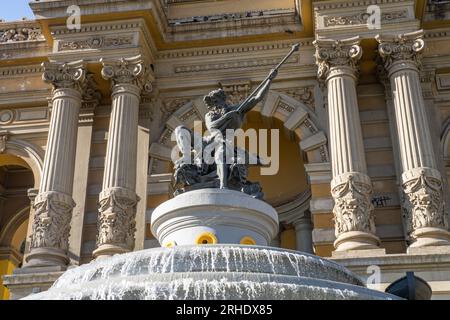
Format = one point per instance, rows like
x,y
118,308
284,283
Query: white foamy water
x,y
210,272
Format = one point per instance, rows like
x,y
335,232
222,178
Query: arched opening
x,y
301,141
16,178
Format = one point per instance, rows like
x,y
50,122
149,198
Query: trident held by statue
x,y
272,75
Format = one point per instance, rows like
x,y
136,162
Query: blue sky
x,y
15,10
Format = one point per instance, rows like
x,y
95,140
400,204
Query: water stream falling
x,y
210,272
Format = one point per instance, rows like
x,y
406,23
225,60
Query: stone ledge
x,y
429,250
358,253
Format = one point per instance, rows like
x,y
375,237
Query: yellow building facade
x,y
350,59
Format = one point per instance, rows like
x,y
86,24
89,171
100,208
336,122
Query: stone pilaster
x,y
421,180
118,199
351,187
54,204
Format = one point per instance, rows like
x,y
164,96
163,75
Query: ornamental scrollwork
x,y
65,75
128,71
402,47
336,53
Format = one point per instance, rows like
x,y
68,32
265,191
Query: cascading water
x,y
210,272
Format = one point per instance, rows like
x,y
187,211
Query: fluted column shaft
x,y
54,204
421,180
351,187
118,199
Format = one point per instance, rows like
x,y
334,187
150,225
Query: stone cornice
x,y
231,50
9,72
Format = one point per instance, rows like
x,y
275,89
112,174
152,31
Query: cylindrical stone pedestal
x,y
214,216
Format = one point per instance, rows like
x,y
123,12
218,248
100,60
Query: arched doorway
x,y
16,179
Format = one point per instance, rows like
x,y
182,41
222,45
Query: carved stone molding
x,y
117,221
353,209
98,42
51,227
362,18
65,75
423,200
337,53
241,64
401,48
20,33
128,71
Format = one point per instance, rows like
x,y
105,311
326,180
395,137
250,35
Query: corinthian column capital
x,y
128,71
402,48
341,54
65,75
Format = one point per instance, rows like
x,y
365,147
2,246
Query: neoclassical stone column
x,y
53,205
351,187
421,181
296,213
118,199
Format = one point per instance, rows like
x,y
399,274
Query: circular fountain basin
x,y
218,272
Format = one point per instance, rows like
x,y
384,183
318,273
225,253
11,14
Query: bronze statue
x,y
226,172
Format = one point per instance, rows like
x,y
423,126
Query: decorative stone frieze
x,y
422,183
362,18
96,43
337,62
16,33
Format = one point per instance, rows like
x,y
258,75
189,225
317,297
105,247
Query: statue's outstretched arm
x,y
259,95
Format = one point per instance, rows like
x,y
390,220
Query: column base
x,y
46,257
107,250
426,237
356,240
26,281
